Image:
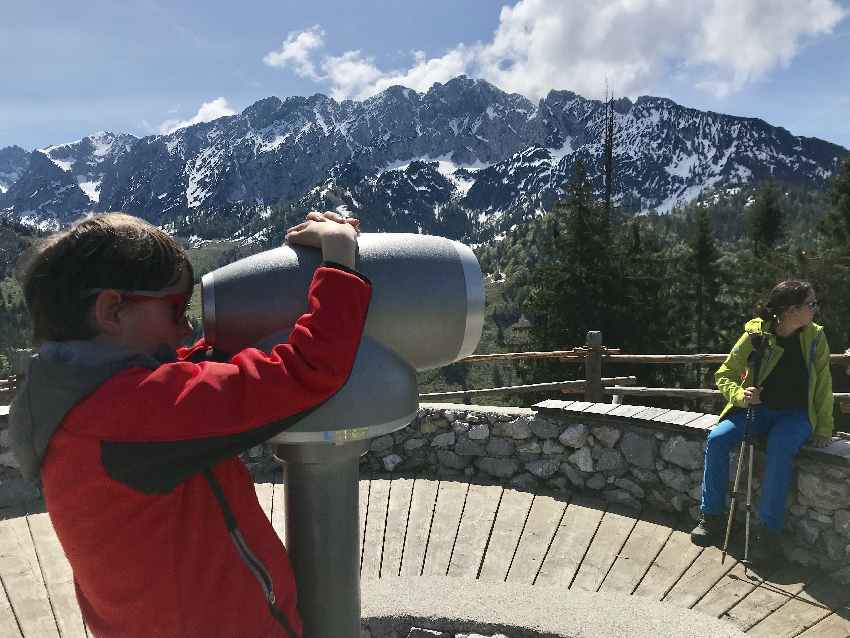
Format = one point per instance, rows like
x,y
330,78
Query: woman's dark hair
x,y
109,250
784,295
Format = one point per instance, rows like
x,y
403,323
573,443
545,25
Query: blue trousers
x,y
787,431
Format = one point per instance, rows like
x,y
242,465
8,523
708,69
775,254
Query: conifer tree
x,y
836,226
766,219
704,274
573,277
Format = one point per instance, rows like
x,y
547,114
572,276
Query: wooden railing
x,y
594,387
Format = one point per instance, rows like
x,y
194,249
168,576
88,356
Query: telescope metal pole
x,y
321,487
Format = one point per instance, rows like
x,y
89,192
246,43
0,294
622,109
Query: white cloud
x,y
742,41
296,50
349,72
719,46
208,112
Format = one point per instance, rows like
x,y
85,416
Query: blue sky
x,y
145,67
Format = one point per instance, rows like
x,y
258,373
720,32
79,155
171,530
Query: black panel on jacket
x,y
158,467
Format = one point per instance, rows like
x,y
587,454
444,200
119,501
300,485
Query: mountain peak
x,y
401,157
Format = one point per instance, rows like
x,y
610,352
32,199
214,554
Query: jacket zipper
x,y
257,568
251,561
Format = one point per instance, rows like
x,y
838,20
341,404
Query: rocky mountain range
x,y
462,157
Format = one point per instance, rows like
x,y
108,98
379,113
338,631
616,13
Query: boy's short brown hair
x,y
109,250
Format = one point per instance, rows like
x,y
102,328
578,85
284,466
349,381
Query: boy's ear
x,y
106,309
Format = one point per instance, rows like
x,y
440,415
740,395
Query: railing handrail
x,y
612,355
578,386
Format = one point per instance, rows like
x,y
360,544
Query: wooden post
x,y
593,367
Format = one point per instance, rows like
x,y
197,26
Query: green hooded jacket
x,y
731,382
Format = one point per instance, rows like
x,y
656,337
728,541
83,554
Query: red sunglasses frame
x,y
179,301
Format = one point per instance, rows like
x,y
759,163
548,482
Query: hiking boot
x,y
765,545
709,530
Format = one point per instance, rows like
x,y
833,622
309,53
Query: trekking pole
x,y
734,501
746,448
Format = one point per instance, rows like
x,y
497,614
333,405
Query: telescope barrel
x,y
427,297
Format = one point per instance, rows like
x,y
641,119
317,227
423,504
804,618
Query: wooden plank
x,y
574,535
577,406
482,501
264,496
769,596
705,422
836,625
279,511
363,508
731,590
601,408
418,526
612,534
676,557
401,491
700,577
651,413
373,538
58,577
21,576
814,603
540,528
8,623
678,417
551,404
451,498
645,543
510,520
628,411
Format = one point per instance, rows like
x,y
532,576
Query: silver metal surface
x,y
474,300
345,435
208,306
321,490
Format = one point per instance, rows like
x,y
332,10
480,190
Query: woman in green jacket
x,y
791,402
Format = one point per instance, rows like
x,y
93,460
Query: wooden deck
x,y
413,527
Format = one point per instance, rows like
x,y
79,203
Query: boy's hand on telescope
x,y
333,233
752,396
330,215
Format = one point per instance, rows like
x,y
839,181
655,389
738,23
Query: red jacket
x,y
140,522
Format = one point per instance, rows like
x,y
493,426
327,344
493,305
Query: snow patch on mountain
x,y
92,189
199,173
64,164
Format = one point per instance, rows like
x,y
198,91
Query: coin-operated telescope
x,y
427,310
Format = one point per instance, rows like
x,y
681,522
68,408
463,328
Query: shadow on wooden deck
x,y
424,527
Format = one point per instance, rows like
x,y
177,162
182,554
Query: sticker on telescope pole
x,y
347,436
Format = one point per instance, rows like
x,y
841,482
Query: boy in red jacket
x,y
136,439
